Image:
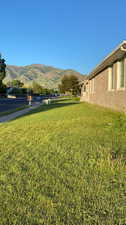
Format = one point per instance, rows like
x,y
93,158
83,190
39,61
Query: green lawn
x,y
63,164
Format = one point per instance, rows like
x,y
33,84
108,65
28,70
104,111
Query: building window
x,y
110,78
87,87
120,74
93,87
90,86
84,88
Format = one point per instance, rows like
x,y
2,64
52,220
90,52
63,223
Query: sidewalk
x,y
18,113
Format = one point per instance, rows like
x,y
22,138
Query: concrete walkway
x,y
14,115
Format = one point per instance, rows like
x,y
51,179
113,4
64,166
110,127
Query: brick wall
x,y
115,99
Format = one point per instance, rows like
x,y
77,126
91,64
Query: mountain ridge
x,y
46,76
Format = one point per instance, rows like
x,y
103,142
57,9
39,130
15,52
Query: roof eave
x,y
115,55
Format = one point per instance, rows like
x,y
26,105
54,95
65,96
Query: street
x,y
7,104
10,104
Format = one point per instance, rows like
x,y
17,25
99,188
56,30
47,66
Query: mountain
x,y
46,76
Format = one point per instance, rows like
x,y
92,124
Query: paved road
x,y
18,113
9,104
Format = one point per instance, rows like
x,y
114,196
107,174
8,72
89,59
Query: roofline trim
x,y
102,64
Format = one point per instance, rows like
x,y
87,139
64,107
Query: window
x,y
87,87
90,86
110,78
84,88
93,87
120,74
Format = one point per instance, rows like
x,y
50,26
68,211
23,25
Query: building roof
x,y
115,55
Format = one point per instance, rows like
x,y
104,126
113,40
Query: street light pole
x,y
29,97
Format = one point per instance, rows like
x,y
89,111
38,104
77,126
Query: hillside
x,y
46,76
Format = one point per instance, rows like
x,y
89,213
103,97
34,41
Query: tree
x,y
15,83
70,83
3,88
61,88
2,72
37,89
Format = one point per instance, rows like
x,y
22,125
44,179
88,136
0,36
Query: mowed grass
x,y
63,164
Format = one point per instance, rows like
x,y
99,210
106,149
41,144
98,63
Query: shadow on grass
x,y
62,99
44,108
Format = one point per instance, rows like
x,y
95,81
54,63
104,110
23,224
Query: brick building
x,y
106,84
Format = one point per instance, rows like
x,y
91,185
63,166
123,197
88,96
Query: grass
x,y
63,164
13,110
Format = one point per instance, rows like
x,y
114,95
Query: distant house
x,y
106,84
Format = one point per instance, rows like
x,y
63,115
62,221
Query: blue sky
x,y
75,34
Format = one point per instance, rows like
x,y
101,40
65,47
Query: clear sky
x,y
74,34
